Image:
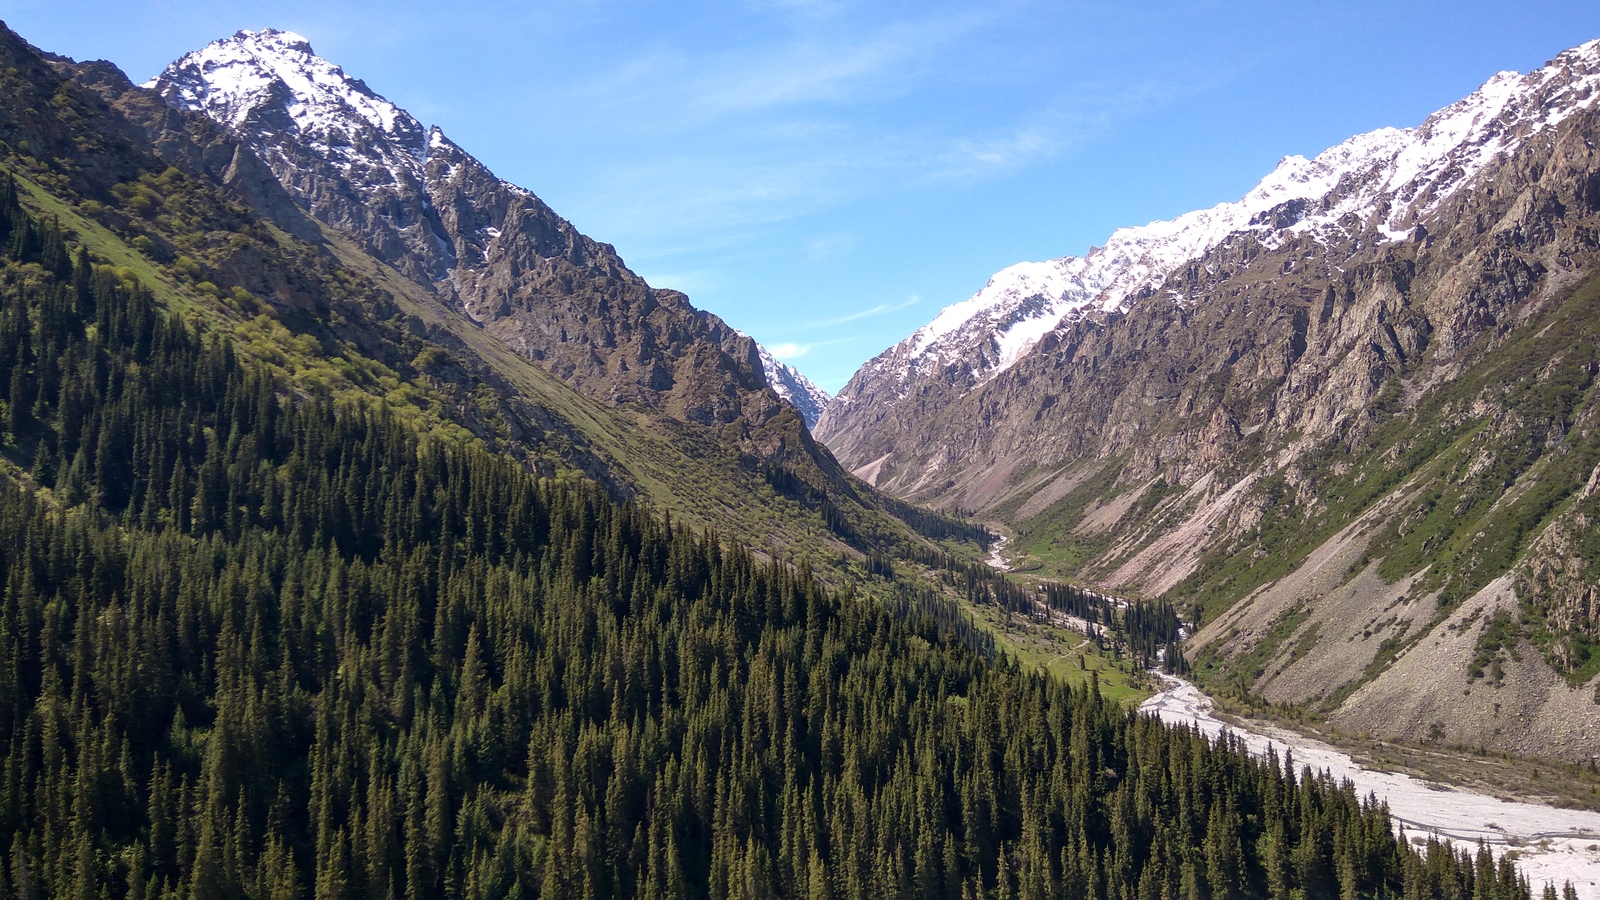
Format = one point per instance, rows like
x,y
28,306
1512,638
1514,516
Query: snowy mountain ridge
x,y
305,117
277,76
795,388
229,78
1389,179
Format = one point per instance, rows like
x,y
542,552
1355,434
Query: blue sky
x,y
827,174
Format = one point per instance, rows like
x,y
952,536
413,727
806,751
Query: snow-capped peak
x,y
272,87
796,389
233,77
1388,179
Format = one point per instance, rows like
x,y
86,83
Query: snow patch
x,y
231,78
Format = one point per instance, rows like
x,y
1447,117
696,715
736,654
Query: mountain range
x,y
1348,421
368,531
1290,414
404,271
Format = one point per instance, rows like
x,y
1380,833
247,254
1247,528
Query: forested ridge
x,y
257,644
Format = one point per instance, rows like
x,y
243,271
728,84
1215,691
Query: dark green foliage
x,y
254,644
1499,637
1145,629
933,525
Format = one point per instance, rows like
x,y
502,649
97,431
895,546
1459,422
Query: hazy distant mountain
x,y
794,387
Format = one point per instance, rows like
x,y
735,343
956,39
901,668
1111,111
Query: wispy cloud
x,y
789,350
679,87
705,145
975,157
829,246
821,115
780,164
809,8
878,310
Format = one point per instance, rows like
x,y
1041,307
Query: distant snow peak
x,y
796,389
1388,179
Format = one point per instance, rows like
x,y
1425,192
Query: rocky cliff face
x,y
1350,420
417,201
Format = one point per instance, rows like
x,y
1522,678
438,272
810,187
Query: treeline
x,y
256,645
937,526
1147,631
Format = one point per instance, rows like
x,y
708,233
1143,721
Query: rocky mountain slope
x,y
1348,419
493,253
1385,182
185,205
419,202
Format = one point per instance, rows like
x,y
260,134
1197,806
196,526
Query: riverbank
x,y
1550,845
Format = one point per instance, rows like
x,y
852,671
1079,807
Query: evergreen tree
x,y
256,644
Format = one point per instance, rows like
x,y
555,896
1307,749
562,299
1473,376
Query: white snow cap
x,y
270,87
239,74
1389,179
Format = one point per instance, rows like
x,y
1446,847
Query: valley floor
x,y
1551,845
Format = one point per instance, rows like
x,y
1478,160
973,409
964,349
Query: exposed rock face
x,y
1345,407
1374,188
357,162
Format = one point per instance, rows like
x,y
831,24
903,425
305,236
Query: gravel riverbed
x,y
1552,845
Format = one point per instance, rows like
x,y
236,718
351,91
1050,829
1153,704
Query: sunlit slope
x,y
192,214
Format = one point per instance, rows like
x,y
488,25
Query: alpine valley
x,y
366,531
1349,422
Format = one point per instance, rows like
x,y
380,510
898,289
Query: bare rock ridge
x,y
357,162
1350,420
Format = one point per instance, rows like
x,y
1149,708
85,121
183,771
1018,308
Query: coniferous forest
x,y
258,644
